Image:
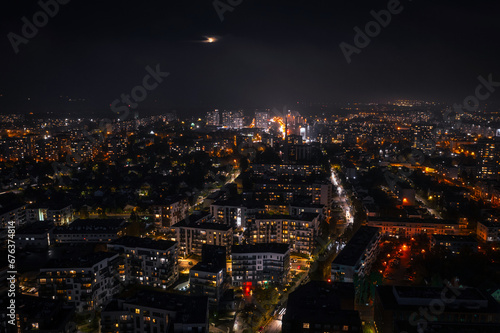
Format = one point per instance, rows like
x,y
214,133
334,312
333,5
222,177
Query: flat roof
x,y
207,267
455,238
190,309
145,243
86,261
261,248
85,226
321,302
202,225
409,298
355,248
36,228
412,220
301,217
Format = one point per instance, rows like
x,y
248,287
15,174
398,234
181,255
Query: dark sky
x,y
269,53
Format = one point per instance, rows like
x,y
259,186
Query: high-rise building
x,y
232,119
489,159
213,118
262,119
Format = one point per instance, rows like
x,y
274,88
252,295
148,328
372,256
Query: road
x,y
275,325
343,200
426,205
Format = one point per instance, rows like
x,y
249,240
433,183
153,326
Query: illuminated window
x,y
305,325
137,311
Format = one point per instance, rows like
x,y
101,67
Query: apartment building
x,y
171,212
357,257
209,276
460,310
488,231
146,261
58,214
408,227
156,312
260,263
454,244
86,282
192,234
300,232
90,230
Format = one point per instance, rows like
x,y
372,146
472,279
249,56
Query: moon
x,y
210,39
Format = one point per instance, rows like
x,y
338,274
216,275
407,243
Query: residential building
x,y
455,244
408,227
213,118
260,263
488,231
44,315
171,212
193,233
158,312
35,236
304,170
86,282
398,309
489,164
357,257
319,306
232,213
58,214
299,231
11,209
208,277
318,192
90,230
146,261
262,119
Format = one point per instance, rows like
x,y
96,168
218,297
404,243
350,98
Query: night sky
x,y
269,53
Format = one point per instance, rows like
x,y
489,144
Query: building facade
x,y
260,263
86,282
298,231
146,261
358,256
155,312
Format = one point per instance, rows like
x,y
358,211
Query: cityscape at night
x,y
250,166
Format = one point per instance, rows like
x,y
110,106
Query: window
x,y
138,311
345,328
305,325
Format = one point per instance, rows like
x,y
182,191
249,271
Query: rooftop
x,y
202,225
454,238
408,298
302,217
261,247
412,220
189,309
92,226
86,261
321,302
355,248
36,228
145,243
